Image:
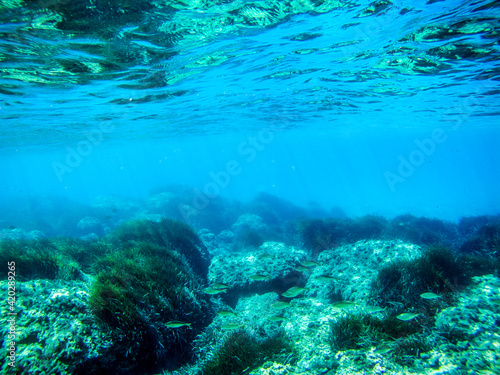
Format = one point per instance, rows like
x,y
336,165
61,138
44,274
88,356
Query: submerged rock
x,y
352,268
90,225
276,261
56,332
249,222
20,234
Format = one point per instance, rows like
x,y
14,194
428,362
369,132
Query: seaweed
x,y
346,333
241,351
422,230
57,258
318,235
356,331
145,282
470,225
438,270
407,350
250,238
167,233
369,227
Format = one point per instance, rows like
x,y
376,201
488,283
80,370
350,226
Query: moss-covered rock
x,y
167,233
148,280
242,351
56,332
347,272
422,230
51,258
274,260
438,270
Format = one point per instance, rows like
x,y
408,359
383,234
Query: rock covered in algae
x,y
56,331
272,259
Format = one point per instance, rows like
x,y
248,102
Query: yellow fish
x,y
429,295
308,263
373,309
228,326
280,305
213,291
302,269
407,316
264,255
294,292
384,349
177,324
325,278
226,313
220,286
343,304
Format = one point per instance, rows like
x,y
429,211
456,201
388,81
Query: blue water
x,y
376,108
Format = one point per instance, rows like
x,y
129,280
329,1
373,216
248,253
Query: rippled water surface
x,y
119,97
161,68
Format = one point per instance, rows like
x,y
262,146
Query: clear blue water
x,y
378,108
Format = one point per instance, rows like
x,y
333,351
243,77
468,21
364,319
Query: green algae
x,y
242,351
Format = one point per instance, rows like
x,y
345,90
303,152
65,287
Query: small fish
x,y
228,326
325,278
383,349
226,313
294,292
176,324
396,304
264,255
280,305
429,295
302,269
343,304
213,291
220,286
275,318
407,316
308,263
259,277
373,309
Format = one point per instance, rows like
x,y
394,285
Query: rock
x,y
354,267
249,222
90,224
273,259
56,331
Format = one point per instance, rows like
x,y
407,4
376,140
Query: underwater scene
x,y
258,187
